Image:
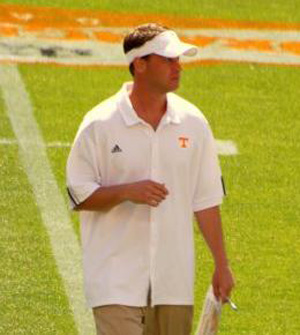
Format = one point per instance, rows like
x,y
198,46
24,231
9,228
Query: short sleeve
x,y
209,190
83,174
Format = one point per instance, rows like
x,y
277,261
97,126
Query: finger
x,y
157,198
151,195
158,193
165,189
216,291
223,298
153,203
224,295
161,187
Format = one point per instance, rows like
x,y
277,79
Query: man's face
x,y
162,73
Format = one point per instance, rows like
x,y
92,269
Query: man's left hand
x,y
223,283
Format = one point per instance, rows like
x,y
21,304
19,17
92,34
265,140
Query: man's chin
x,y
171,87
174,86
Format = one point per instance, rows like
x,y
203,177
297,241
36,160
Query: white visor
x,y
166,44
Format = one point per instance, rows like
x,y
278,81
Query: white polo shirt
x,y
133,246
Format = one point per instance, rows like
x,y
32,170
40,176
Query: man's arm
x,y
209,221
142,192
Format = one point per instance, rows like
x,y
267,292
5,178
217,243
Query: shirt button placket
x,y
153,212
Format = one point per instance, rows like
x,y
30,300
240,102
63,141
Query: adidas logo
x,y
116,148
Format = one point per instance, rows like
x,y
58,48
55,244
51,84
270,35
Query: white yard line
x,y
56,144
224,147
8,141
55,216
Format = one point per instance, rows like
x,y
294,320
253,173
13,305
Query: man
x,y
142,163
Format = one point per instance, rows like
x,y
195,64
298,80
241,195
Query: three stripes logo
x,y
116,149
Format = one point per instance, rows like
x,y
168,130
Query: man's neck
x,y
148,104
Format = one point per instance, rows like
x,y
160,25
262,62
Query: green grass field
x,y
254,105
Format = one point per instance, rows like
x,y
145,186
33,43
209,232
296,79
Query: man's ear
x,y
139,65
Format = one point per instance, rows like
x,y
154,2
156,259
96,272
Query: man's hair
x,y
139,36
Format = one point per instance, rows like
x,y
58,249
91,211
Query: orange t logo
x,y
183,141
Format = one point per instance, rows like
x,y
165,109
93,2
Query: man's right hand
x,y
146,192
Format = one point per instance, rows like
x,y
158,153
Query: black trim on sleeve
x,y
76,203
223,185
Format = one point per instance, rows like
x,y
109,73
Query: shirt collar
x,y
125,106
172,114
129,114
